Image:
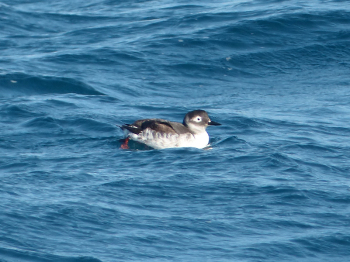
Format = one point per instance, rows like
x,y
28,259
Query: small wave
x,y
230,140
11,112
103,56
42,122
326,243
85,124
19,84
8,254
277,160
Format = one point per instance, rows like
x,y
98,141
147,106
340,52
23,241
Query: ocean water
x,y
274,185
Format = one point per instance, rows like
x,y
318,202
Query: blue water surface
x,y
274,186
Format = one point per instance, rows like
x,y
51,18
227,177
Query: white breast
x,y
198,140
160,141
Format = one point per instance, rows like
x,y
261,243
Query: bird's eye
x,y
198,119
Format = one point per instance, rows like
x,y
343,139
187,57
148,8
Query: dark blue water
x,y
273,187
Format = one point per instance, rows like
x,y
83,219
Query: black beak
x,y
212,123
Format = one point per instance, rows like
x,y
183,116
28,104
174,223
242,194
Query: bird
x,y
159,133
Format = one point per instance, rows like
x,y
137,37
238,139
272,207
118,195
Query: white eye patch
x,y
197,119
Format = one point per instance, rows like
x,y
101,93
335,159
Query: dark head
x,y
198,120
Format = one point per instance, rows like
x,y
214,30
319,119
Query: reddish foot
x,y
125,145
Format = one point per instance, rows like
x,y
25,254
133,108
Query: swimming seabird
x,y
160,133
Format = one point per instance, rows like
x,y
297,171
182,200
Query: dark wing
x,y
159,125
131,128
179,128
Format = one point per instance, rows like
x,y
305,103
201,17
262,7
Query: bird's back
x,y
160,133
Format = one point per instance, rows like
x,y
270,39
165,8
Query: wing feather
x,y
158,125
